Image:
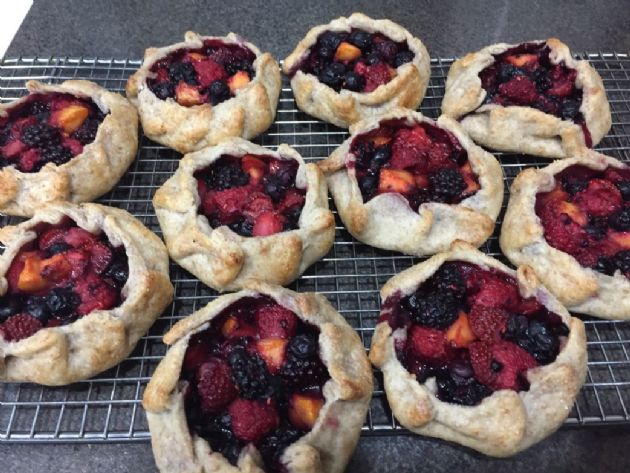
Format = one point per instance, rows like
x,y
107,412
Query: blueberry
x,y
333,75
273,187
219,91
57,248
62,302
8,307
38,308
330,40
403,57
360,39
496,366
242,227
573,186
622,261
624,188
118,271
620,220
325,52
368,185
372,59
354,81
507,72
303,346
542,81
182,71
569,108
382,155
163,90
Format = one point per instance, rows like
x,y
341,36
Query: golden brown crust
x,y
505,422
325,449
345,107
223,259
187,129
388,222
62,355
524,129
522,240
88,175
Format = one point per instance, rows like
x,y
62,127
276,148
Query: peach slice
x,y
70,118
469,178
255,167
380,140
272,350
187,95
459,334
621,238
556,194
574,213
395,180
347,52
520,60
238,81
196,56
304,410
229,326
38,273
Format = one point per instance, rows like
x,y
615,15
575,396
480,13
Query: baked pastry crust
x,y
522,240
387,221
88,175
62,355
223,259
326,448
187,129
345,107
507,421
524,129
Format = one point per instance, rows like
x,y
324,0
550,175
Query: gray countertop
x,y
124,28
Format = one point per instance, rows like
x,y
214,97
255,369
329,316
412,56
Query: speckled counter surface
x,y
124,28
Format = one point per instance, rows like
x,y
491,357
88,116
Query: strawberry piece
x,y
13,148
215,386
251,420
19,326
230,202
257,204
29,160
208,204
519,90
502,365
410,148
426,343
395,180
73,145
273,351
292,198
377,75
78,260
100,256
276,321
460,334
600,198
94,294
304,410
209,71
488,323
268,223
78,237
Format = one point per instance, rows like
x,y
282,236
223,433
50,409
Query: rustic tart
x,y
263,380
476,353
79,285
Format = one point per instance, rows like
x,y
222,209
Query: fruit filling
x,y
254,376
525,76
211,74
47,128
587,215
253,195
421,162
62,275
358,61
470,329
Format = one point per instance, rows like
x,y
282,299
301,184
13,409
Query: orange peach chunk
x,y
238,81
347,52
304,410
459,333
272,350
187,95
70,118
395,180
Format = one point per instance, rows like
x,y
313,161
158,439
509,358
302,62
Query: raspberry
x,y
79,260
214,385
292,198
252,420
276,322
502,365
229,203
376,75
488,323
426,343
30,161
209,71
257,204
409,148
439,156
519,90
494,291
562,81
95,294
51,237
600,198
19,326
561,232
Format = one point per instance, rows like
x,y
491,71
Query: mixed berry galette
x,y
264,380
72,142
197,93
570,222
239,211
531,98
476,353
355,68
407,183
79,285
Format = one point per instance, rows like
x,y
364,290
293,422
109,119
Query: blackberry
x,y
227,175
363,152
605,265
507,72
624,188
39,135
273,187
118,270
467,392
39,108
8,307
542,81
86,134
235,65
62,302
274,444
573,186
250,375
37,307
622,261
219,92
4,135
163,90
218,432
435,310
448,280
569,108
182,71
354,81
620,219
597,227
301,372
386,50
403,57
55,153
303,346
447,183
361,39
292,218
333,75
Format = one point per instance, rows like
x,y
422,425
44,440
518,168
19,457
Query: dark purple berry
x,y
9,306
163,90
620,219
330,40
386,50
303,346
226,174
435,310
354,81
403,57
507,72
447,183
39,135
573,186
182,71
361,39
86,134
333,75
219,92
624,188
250,375
569,108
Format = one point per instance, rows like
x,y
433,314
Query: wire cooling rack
x,y
108,407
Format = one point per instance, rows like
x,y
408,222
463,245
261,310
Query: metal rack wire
x,y
108,407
